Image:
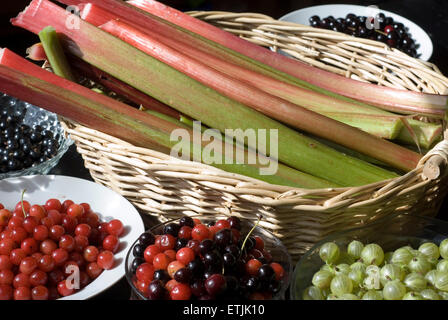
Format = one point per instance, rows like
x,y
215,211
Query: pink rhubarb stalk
x,y
388,98
270,105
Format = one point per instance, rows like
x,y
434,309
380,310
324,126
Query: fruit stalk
x,y
54,53
194,99
270,105
28,82
396,100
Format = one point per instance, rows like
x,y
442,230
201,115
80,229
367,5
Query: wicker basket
x,y
165,187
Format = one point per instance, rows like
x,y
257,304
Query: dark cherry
x,y
183,275
156,290
180,243
215,284
161,275
135,263
223,237
172,229
146,239
186,221
235,223
196,267
206,245
138,250
198,288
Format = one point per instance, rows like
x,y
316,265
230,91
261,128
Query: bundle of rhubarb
x,y
331,131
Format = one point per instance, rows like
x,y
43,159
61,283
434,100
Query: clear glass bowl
x,y
390,233
48,121
272,244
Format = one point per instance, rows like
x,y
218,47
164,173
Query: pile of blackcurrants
x,y
192,260
383,29
22,146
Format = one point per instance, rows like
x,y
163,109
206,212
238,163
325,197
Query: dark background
x,y
431,15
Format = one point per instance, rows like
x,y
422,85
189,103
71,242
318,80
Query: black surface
x,y
431,15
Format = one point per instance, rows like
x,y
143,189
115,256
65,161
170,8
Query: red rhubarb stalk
x,y
121,88
270,105
28,82
196,100
388,98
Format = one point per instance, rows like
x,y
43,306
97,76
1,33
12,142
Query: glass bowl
x,y
271,243
48,121
390,233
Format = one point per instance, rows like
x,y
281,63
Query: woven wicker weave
x,y
166,187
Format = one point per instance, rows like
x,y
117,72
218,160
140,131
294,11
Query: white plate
x,y
341,10
103,201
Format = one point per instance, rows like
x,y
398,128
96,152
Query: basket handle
x,y
435,161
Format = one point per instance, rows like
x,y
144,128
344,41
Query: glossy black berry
x,y
146,239
172,229
186,221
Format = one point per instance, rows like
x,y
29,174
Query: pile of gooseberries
x,y
192,260
366,272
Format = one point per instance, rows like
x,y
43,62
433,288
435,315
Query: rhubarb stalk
x,y
391,99
268,104
54,53
196,100
28,82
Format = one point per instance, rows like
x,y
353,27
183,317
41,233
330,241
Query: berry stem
x,y
21,200
250,232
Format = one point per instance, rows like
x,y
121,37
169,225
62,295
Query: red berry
x,y
115,227
38,278
167,242
67,242
75,211
278,269
53,204
185,255
252,266
185,232
173,267
145,272
26,207
83,229
56,232
48,246
28,265
105,260
69,223
93,270
55,216
111,243
81,242
15,222
5,262
29,245
150,252
5,215
40,233
6,246
161,261
6,292
65,205
388,29
39,293
16,256
22,293
200,232
180,292
60,256
38,212
29,224
63,290
46,263
222,224
259,243
6,277
91,253
21,280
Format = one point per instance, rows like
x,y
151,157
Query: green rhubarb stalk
x,y
35,85
196,100
54,53
284,175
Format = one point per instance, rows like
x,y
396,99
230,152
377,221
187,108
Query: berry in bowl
x,y
32,140
203,258
62,238
405,258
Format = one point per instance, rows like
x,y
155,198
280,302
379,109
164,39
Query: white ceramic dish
x,y
341,10
103,201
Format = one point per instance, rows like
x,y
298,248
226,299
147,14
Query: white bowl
x,y
341,10
103,201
